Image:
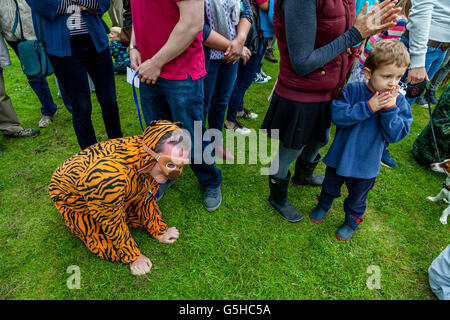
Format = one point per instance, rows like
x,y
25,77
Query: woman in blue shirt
x,y
77,44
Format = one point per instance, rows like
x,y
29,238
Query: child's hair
x,y
116,30
389,51
406,6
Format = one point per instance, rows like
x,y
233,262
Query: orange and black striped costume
x,y
100,193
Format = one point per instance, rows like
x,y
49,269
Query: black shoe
x,y
431,96
304,173
269,55
279,199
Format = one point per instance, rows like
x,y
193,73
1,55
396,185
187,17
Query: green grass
x,y
244,250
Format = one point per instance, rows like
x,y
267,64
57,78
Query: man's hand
x,y
246,55
140,266
149,71
135,58
417,75
234,50
170,236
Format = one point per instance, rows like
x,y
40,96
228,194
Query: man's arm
x,y
181,37
419,29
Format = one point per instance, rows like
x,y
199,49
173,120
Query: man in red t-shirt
x,y
166,49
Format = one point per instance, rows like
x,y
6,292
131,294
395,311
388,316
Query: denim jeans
x,y
245,76
181,100
358,190
263,43
219,84
72,73
433,61
441,73
40,87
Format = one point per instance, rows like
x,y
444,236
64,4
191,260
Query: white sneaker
x,y
247,114
238,128
46,120
265,75
260,79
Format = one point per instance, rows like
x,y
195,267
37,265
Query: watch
x,y
132,46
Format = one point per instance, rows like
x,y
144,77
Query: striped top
x,y
75,22
394,32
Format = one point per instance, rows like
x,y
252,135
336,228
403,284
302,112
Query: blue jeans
x,y
358,189
72,72
40,87
219,84
263,43
180,100
433,61
245,76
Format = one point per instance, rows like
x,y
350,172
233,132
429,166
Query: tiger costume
x,y
100,193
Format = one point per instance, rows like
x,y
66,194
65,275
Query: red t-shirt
x,y
153,21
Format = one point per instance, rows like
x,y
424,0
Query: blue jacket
x,y
56,35
266,20
360,133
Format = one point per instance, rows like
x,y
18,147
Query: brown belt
x,y
432,43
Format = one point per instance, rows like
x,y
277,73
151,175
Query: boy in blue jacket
x,y
368,114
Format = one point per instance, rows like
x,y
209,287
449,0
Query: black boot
x,y
304,173
279,199
430,96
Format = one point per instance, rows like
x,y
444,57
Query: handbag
x,y
32,54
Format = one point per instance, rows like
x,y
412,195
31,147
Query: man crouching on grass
x,y
113,185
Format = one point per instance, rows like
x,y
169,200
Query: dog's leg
x,y
438,197
444,216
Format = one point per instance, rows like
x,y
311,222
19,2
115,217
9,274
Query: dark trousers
x,y
72,72
358,189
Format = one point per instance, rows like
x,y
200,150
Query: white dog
x,y
445,192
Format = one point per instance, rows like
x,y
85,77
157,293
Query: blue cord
x,y
136,101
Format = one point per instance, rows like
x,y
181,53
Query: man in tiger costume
x,y
112,185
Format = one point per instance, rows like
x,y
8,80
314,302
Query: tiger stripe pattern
x,y
100,194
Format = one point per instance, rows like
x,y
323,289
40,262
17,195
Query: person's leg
x,y
354,206
209,81
261,51
40,88
100,68
185,101
331,189
279,183
64,96
438,77
245,76
308,161
116,13
72,74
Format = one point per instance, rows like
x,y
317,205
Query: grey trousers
x,y
9,122
441,73
116,13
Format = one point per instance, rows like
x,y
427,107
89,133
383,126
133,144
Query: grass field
x,y
244,250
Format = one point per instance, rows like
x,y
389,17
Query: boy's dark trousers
x,y
358,189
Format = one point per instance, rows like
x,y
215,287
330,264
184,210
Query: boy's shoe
x,y
212,198
24,133
46,120
421,101
265,75
260,79
247,114
238,128
270,56
387,161
346,231
318,214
